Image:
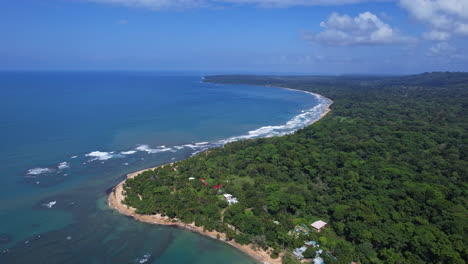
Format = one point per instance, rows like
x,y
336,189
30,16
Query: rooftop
x,y
318,224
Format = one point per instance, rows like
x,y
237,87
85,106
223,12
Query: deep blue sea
x,y
67,138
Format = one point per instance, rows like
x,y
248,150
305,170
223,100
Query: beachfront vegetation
x,y
386,169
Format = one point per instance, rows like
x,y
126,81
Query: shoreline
x,y
322,115
327,108
116,197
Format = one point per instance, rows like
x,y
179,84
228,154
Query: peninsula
x,y
378,180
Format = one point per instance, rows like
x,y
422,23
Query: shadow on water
x,y
5,238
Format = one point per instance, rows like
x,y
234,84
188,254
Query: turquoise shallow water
x,y
69,137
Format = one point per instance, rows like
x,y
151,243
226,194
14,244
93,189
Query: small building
x,y
204,182
302,229
311,243
299,252
319,225
230,199
217,186
318,260
191,178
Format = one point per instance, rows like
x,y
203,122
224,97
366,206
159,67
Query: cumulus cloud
x,y
437,35
187,4
442,49
445,17
364,29
445,52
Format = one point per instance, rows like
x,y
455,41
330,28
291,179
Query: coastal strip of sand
x,y
327,109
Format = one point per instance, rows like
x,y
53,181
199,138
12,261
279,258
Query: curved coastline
x,y
116,197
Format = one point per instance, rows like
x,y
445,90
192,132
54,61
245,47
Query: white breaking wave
x,y
149,150
73,157
100,155
144,259
297,122
63,165
306,117
130,152
37,171
50,204
192,146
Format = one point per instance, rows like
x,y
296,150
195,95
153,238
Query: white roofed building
x,y
319,225
318,260
230,199
298,252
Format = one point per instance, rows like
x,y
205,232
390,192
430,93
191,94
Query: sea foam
x,y
37,171
100,155
297,122
130,152
146,148
63,165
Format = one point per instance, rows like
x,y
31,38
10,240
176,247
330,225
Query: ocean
x,y
69,137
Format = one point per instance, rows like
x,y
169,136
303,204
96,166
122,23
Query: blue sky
x,y
236,36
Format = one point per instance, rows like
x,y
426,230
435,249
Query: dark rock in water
x,y
5,238
45,181
109,190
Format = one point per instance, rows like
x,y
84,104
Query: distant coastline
x,y
327,108
116,197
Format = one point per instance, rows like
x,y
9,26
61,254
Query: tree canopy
x,y
386,168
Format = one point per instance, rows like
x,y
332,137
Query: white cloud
x,y
445,52
155,4
365,29
441,49
444,17
187,4
437,35
287,3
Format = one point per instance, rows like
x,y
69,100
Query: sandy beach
x,y
327,109
117,196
